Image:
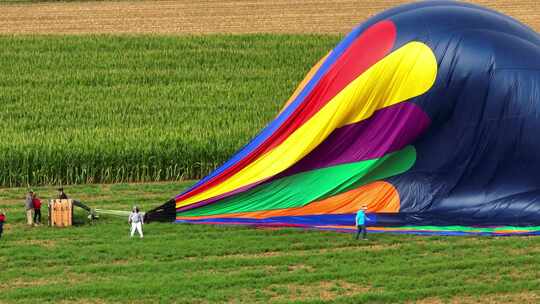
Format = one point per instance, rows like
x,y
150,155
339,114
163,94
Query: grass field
x,y
90,109
208,264
98,108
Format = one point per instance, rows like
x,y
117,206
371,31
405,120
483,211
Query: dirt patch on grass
x,y
22,283
240,255
300,268
530,250
41,243
70,278
324,290
307,252
86,301
268,269
267,254
206,16
122,262
489,278
517,298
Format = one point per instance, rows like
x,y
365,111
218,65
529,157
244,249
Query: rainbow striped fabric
x,y
421,113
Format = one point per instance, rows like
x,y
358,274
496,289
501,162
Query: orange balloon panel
x,y
380,197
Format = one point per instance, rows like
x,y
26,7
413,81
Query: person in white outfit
x,y
136,221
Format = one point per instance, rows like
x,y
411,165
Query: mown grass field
x,y
209,264
91,109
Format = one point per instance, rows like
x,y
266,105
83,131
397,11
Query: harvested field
x,y
204,17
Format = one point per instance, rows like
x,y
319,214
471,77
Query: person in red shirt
x,y
37,209
2,220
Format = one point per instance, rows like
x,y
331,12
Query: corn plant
x,y
110,109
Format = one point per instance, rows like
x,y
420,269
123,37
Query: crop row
x,y
89,109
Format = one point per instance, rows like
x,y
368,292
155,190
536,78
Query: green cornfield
x,y
109,109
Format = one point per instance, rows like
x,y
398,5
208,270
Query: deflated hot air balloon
x,y
427,113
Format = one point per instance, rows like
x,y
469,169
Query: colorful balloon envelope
x,y
426,113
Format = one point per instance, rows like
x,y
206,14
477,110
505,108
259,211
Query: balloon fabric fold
x,y
426,113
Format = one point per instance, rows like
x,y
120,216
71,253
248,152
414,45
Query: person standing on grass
x,y
29,205
136,221
37,208
2,220
61,194
361,222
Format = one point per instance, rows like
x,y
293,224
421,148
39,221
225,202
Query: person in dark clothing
x,y
2,220
62,194
37,208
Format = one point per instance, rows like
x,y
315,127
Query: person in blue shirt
x,y
361,222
